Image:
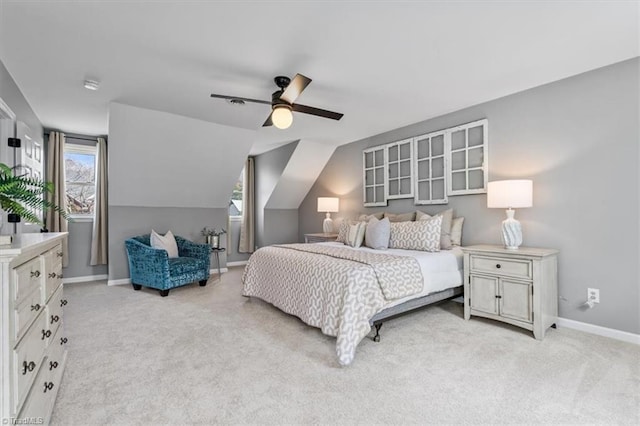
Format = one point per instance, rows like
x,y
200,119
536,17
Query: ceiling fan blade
x,y
257,101
293,90
316,111
268,122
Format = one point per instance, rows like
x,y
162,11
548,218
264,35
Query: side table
x,y
216,252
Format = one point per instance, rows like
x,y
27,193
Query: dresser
x,y
518,287
32,340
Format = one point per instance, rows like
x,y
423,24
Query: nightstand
x,y
518,287
320,237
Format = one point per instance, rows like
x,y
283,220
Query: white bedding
x,y
440,270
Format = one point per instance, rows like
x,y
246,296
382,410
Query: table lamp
x,y
328,205
510,194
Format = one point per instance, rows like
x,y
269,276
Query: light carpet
x,y
207,355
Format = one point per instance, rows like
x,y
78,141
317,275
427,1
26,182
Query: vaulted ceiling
x,y
383,64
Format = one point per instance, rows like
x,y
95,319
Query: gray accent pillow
x,y
400,217
456,231
355,235
445,233
367,217
377,234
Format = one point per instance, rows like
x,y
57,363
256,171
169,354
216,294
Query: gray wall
x,y
132,221
12,96
577,139
270,229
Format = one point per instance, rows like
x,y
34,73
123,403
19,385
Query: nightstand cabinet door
x,y
483,294
515,299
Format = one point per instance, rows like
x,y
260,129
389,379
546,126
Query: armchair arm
x,y
146,264
191,249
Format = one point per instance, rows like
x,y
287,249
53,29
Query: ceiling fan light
x,y
282,116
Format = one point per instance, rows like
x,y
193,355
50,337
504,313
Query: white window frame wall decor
x,y
399,169
377,189
424,168
457,153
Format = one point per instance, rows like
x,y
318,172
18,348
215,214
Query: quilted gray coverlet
x,y
336,289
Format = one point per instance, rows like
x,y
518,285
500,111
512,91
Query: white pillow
x,y
377,234
166,242
456,231
418,235
355,236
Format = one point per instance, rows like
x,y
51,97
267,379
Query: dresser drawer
x,y
39,400
55,356
517,268
54,311
27,360
26,278
25,312
52,271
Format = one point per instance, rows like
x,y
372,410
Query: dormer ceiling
x,y
383,64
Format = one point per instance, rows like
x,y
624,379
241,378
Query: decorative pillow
x,y
343,230
166,242
377,234
456,231
402,217
445,232
355,236
419,235
366,217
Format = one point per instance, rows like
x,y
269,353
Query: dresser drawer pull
x,y
52,365
35,307
52,274
48,386
27,366
60,276
46,334
63,302
63,340
35,274
54,319
498,296
498,266
59,254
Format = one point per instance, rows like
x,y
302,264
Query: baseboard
x,y
122,281
84,279
600,331
215,270
238,263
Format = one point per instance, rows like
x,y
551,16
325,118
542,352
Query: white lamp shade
x,y
328,204
281,117
510,194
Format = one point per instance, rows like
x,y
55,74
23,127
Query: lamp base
x,y
511,231
327,224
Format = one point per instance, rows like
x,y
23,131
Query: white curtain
x,y
55,174
99,239
247,229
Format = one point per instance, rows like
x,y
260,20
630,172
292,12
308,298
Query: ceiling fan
x,y
282,102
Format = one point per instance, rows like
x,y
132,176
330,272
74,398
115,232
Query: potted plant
x,y
212,236
24,196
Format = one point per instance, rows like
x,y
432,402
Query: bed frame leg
x,y
376,338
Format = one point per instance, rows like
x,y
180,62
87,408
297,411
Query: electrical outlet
x,y
593,294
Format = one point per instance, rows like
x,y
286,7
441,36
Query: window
x,y
235,204
80,179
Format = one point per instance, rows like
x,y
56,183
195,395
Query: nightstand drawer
x,y
500,266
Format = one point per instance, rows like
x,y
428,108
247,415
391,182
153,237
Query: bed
x,y
344,290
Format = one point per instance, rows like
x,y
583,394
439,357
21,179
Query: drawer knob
x,y
59,254
63,302
498,266
28,366
46,334
35,307
52,365
48,386
63,340
498,296
59,275
52,274
54,318
35,274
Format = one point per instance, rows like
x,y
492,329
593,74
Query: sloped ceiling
x,y
383,64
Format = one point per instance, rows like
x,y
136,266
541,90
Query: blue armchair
x,y
153,268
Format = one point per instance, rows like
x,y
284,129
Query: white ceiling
x,y
383,64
